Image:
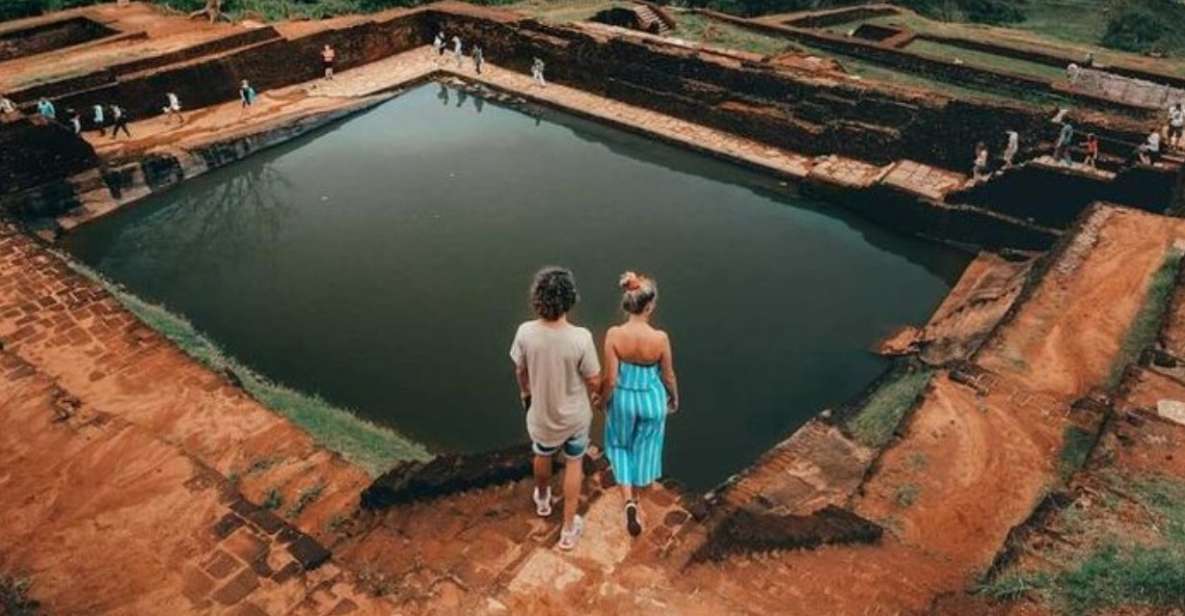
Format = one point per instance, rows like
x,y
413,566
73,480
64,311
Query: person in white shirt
x,y
1150,151
173,108
1176,125
1012,148
457,51
537,72
98,120
559,379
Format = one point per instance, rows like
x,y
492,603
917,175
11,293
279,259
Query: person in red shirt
x,y
1092,150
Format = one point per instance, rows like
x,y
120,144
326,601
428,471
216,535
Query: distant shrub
x,y
1134,30
1147,25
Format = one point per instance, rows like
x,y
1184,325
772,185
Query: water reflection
x,y
381,263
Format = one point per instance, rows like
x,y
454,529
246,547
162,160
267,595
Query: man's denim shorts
x,y
574,448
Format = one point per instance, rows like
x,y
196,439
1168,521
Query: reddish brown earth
x,y
115,465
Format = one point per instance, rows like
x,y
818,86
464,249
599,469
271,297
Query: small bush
x,y
306,497
1014,586
273,500
906,495
1133,31
14,597
1076,445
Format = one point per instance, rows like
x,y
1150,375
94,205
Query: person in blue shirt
x,y
46,109
246,94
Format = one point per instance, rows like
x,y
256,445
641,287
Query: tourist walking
x,y
559,379
979,172
1092,150
46,109
119,120
1065,138
1149,152
328,55
98,121
173,108
75,121
457,53
438,44
537,72
478,58
1176,126
640,389
1011,148
246,95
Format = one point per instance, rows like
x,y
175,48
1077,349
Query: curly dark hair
x,y
553,292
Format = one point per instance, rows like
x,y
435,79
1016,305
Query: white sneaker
x,y
542,502
570,536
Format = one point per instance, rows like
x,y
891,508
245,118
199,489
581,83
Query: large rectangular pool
x,y
383,264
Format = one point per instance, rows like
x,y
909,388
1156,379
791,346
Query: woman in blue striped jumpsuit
x,y
641,390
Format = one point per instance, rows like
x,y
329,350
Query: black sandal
x,y
632,523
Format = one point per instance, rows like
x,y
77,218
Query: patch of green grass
x,y
336,523
15,599
1076,21
1013,586
306,497
906,495
980,59
701,29
1145,328
1076,446
1112,577
875,424
272,500
1166,497
374,448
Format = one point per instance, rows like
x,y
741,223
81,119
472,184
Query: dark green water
x,y
383,263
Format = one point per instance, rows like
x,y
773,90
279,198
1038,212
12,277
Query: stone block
x,y
266,521
237,588
196,585
227,525
220,564
246,545
308,552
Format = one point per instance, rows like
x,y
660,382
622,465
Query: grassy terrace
x,y
875,423
1066,27
949,53
701,29
1115,571
372,447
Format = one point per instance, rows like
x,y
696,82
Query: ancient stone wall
x,y
1055,197
270,64
34,152
810,115
841,16
50,36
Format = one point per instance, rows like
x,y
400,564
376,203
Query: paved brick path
x,y
107,517
75,332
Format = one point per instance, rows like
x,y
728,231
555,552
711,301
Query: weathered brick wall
x,y
50,36
34,152
782,109
271,64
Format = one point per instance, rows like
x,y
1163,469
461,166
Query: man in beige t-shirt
x,y
558,373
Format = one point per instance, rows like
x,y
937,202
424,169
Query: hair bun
x,y
630,281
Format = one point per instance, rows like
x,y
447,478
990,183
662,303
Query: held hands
x,y
526,400
672,406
